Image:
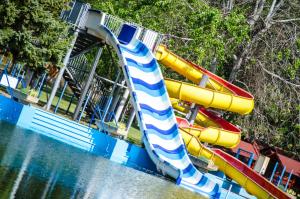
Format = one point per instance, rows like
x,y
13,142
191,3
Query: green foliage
x,y
33,32
210,33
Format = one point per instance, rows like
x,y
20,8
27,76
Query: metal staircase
x,y
84,43
76,74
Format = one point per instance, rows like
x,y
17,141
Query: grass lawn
x,y
63,105
134,134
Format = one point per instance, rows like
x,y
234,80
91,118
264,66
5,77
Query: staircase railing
x,y
76,15
78,70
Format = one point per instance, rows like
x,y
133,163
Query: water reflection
x,y
33,166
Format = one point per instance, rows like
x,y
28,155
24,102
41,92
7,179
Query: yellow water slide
x,y
218,94
213,130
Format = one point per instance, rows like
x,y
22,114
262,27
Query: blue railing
x,y
98,112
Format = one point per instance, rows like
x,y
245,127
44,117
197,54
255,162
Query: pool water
x,y
34,166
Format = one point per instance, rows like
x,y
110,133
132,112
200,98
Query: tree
x,y
32,31
269,65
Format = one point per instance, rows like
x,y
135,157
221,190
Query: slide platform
x,y
218,94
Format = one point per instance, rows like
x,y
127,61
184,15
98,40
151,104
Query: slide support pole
x,y
61,72
61,95
191,116
288,181
87,84
281,176
273,172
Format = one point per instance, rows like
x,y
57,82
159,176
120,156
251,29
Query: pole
x,y
280,178
238,153
116,99
42,85
20,69
110,98
130,119
273,172
191,116
288,181
67,111
106,108
14,69
61,72
60,97
88,83
122,104
251,159
229,190
84,106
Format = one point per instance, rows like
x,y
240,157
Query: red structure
x,y
275,155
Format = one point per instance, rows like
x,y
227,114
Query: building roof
x,y
248,147
290,164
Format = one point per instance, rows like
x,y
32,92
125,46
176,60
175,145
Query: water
x,y
34,166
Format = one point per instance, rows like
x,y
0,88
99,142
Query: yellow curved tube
x,y
184,68
216,136
211,134
219,93
208,97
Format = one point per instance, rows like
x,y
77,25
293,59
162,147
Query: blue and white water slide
x,y
157,121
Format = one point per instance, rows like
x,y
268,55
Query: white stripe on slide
x,y
132,45
158,103
209,186
152,77
167,144
194,179
143,60
161,124
179,163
